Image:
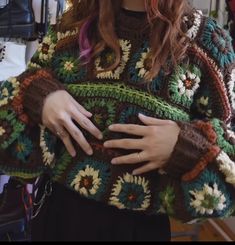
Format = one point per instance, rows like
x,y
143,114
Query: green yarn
x,y
125,94
52,33
68,68
46,49
17,127
174,90
222,143
22,172
167,198
61,165
210,178
104,113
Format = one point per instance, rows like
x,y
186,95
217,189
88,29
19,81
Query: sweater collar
x,y
132,25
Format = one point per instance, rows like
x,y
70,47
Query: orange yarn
x,y
17,102
207,130
203,163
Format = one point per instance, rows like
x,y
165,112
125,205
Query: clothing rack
x,y
44,19
45,16
3,3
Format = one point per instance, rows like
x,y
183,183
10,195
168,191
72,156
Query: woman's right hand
x,y
59,111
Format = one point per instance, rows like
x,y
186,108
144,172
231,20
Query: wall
x,y
204,5
207,6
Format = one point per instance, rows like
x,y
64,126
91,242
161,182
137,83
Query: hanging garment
x,y
3,3
12,59
45,13
17,19
15,206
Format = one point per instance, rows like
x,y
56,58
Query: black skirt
x,y
66,216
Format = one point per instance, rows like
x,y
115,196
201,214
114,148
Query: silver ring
x,y
60,133
140,158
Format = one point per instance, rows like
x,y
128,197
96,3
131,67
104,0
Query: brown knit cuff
x,y
40,87
190,148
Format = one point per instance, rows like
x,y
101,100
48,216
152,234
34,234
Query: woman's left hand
x,y
158,140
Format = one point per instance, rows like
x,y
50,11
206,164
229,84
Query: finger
x,y
145,169
130,159
129,129
64,136
78,136
151,121
81,109
128,144
69,146
85,123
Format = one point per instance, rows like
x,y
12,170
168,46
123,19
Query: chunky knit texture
x,y
197,182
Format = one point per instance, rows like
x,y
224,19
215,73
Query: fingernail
x,y
111,127
114,161
73,154
141,115
100,136
134,173
90,152
106,144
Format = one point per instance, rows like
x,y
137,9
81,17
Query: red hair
x,y
164,16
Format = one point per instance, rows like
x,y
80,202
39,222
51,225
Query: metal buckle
x,y
47,192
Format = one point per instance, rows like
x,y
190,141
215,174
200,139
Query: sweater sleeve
x,y
23,152
199,179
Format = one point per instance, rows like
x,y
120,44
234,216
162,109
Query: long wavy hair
x,y
96,20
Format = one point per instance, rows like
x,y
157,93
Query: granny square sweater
x,y
197,182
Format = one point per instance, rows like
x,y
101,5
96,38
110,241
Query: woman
x,y
133,99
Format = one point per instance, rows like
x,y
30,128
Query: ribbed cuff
x,y
191,146
42,84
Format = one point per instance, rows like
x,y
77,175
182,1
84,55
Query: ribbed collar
x,y
132,25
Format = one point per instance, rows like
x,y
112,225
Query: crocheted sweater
x,y
197,182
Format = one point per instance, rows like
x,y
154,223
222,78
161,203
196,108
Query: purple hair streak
x,y
84,42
